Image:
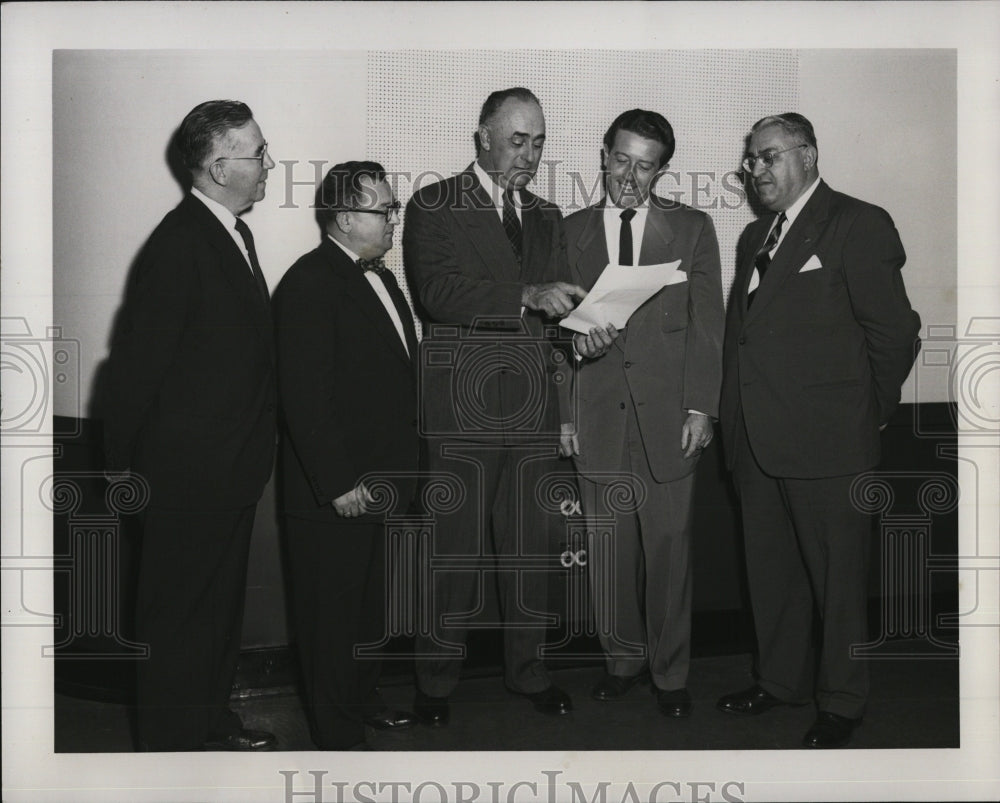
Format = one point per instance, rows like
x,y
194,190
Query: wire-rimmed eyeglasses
x,y
258,158
766,158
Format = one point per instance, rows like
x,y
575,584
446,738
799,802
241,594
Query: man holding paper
x,y
646,398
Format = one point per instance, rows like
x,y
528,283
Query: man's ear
x,y
809,160
343,221
484,137
217,170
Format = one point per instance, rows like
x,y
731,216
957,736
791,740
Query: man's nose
x,y
268,161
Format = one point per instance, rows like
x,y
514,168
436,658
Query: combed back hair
x,y
496,100
341,188
207,123
646,124
792,123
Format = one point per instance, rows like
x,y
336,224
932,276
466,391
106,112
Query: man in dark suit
x,y
646,403
191,407
819,338
347,369
487,260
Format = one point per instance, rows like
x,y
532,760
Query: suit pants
x,y
498,517
338,597
806,545
639,560
189,610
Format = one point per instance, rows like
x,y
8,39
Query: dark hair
x,y
496,100
646,124
205,124
341,188
792,123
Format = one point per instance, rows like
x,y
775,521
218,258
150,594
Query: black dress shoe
x,y
750,702
830,730
246,739
613,687
552,700
674,703
387,720
432,711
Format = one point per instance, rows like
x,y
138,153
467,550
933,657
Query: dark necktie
x,y
258,275
511,224
625,238
762,260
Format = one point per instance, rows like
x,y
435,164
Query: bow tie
x,y
377,265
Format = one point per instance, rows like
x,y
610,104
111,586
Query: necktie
x,y
511,224
762,260
258,275
625,238
376,265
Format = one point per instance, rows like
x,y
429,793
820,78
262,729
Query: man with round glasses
x,y
820,336
191,407
347,375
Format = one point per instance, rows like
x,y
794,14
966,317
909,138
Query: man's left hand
x,y
696,434
568,443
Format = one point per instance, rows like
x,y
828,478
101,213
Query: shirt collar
x,y
793,211
610,210
226,218
495,190
354,257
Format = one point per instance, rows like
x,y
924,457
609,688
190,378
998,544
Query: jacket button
x,y
742,340
628,364
621,405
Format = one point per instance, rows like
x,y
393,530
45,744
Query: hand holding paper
x,y
619,291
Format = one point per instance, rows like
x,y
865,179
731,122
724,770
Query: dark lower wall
x,y
93,593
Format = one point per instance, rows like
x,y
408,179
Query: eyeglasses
x,y
766,158
259,158
388,212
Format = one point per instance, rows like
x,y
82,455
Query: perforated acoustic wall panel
x,y
423,107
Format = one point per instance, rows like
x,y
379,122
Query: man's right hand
x,y
597,343
353,503
555,299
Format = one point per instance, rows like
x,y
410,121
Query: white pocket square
x,y
812,263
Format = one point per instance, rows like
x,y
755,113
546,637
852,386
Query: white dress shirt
x,y
613,228
228,220
380,290
496,192
790,214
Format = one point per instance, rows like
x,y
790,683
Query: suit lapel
x,y
795,248
656,238
234,266
592,248
357,288
477,215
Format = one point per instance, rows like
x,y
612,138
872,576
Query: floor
x,y
913,704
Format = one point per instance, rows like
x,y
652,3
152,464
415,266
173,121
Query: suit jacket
x,y
489,373
669,360
817,362
347,386
191,388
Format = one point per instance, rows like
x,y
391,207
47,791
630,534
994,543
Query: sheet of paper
x,y
619,291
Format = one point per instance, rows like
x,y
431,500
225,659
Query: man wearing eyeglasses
x,y
487,260
820,336
347,377
191,407
647,400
